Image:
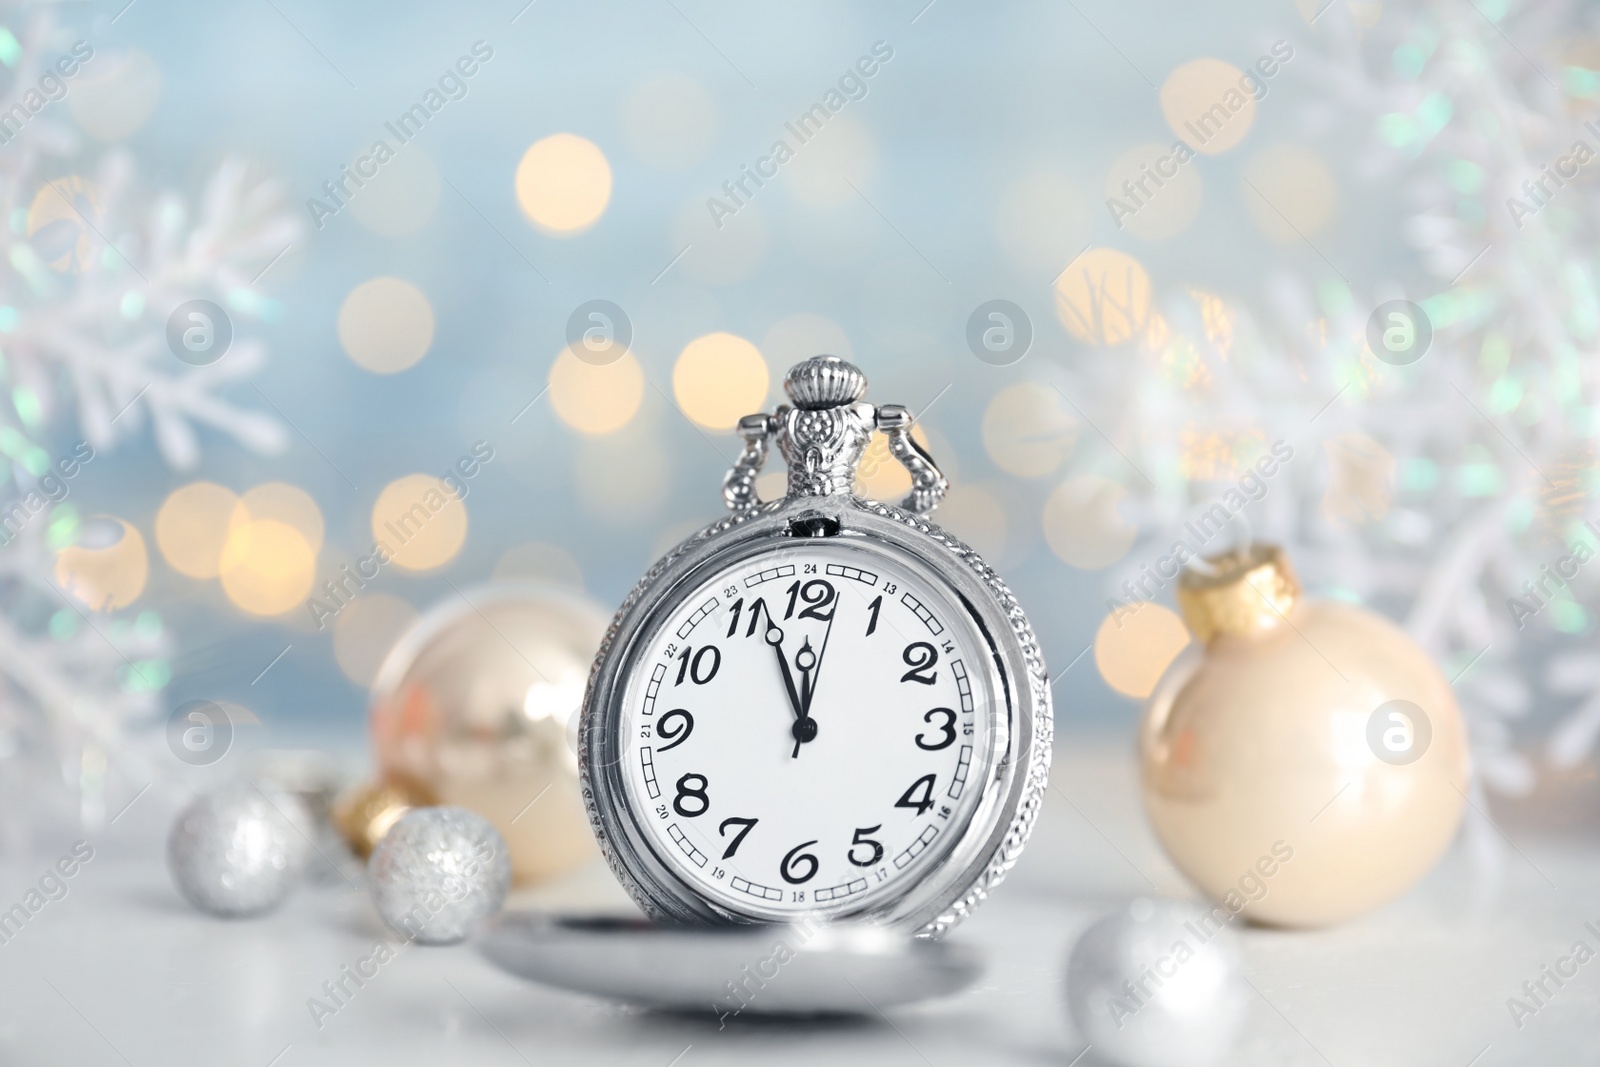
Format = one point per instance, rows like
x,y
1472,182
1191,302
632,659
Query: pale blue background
x,y
974,94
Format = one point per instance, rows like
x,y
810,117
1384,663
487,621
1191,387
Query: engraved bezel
x,y
942,894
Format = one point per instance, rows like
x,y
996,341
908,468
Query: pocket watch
x,y
820,705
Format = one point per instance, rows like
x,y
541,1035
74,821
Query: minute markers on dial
x,y
656,675
915,848
959,781
744,885
649,767
694,620
920,610
768,575
839,892
839,570
963,685
696,857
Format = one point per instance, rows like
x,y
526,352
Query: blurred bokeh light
x,y
563,184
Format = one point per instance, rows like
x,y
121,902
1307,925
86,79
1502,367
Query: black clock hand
x,y
814,672
804,728
806,661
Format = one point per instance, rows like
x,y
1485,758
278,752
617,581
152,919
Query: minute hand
x,y
809,687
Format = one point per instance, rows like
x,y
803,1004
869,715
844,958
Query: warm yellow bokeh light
x,y
1103,297
772,485
288,504
563,184
1208,104
192,527
719,379
1291,193
56,228
108,568
386,325
1151,194
879,476
267,567
419,521
1082,525
1136,644
596,400
366,630
1028,431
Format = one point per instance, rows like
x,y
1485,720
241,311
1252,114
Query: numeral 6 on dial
x,y
790,867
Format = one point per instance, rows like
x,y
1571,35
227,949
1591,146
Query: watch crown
x,y
824,382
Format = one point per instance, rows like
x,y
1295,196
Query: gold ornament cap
x,y
364,814
1247,591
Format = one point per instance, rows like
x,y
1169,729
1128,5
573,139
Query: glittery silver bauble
x,y
1158,985
238,850
314,777
438,874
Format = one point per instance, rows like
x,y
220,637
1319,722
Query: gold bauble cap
x,y
1248,590
365,813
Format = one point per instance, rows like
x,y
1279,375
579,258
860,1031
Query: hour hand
x,y
806,661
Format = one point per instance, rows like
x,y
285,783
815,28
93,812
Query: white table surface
x,y
122,972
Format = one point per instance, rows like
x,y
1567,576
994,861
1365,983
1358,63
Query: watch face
x,y
810,729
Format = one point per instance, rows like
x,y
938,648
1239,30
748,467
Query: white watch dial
x,y
809,729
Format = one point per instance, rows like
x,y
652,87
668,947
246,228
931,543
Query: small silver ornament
x,y
315,779
239,850
439,874
1157,984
